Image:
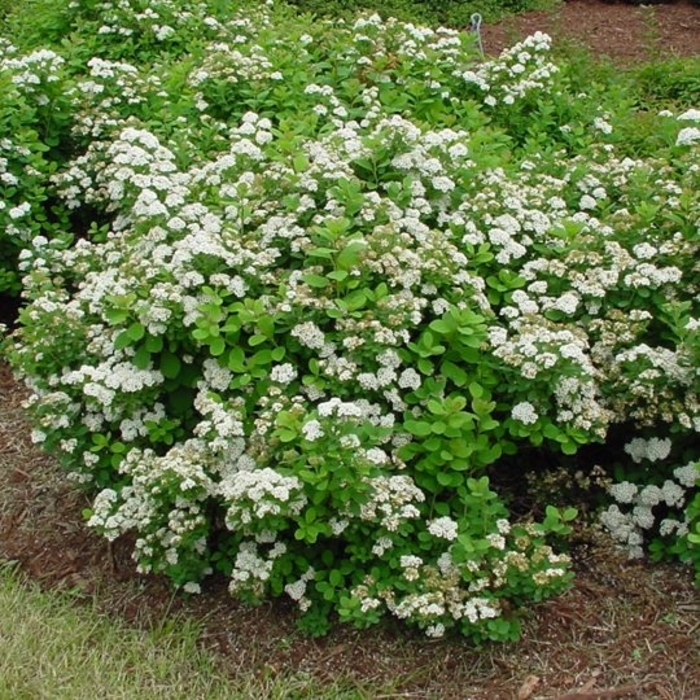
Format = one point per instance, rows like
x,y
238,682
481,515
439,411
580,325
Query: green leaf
x,y
436,407
236,360
257,339
350,255
115,317
569,514
310,515
301,164
122,341
417,428
217,346
338,275
448,478
154,343
425,366
441,327
356,300
476,390
454,372
201,333
142,358
569,448
460,448
551,431
286,434
381,291
316,281
266,324
169,365
261,358
136,331
323,253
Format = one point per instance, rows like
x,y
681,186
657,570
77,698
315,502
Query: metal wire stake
x,y
475,26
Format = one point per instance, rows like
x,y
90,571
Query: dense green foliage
x,y
449,13
296,290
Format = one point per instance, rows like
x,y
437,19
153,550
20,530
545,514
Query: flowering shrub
x,y
328,289
33,114
662,517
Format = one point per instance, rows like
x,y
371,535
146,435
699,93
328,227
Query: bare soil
x,y
625,629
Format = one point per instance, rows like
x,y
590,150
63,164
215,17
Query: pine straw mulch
x,y
625,630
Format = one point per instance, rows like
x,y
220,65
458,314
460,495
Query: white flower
x,y
283,374
624,492
496,540
643,517
409,379
587,202
688,135
672,493
435,631
443,184
567,303
692,115
654,449
667,526
376,456
602,126
503,526
525,413
650,495
312,430
310,335
644,251
687,476
444,527
296,590
19,211
410,561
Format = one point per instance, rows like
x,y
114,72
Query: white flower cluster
x,y
627,527
437,600
525,413
687,136
653,449
32,72
297,589
443,527
518,71
392,501
253,495
163,503
251,571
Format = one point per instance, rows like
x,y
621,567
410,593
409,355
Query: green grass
x,y
53,648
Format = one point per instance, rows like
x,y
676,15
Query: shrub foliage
x,y
321,292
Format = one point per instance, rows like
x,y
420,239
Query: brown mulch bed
x,y
628,33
